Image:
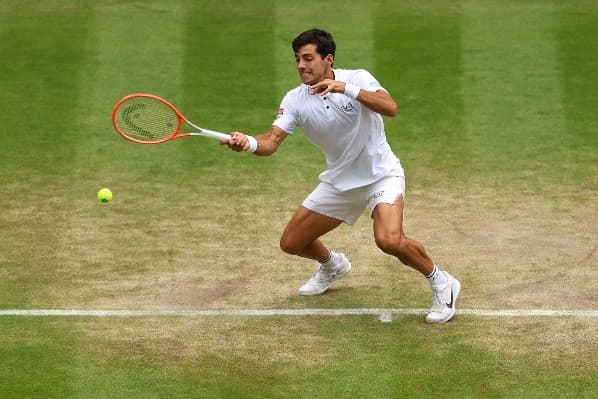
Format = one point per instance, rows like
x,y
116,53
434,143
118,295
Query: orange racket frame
x,y
121,108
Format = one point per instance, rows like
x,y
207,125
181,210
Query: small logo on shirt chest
x,y
348,108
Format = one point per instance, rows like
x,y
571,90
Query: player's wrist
x,y
351,90
252,144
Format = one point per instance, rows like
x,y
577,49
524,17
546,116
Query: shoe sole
x,y
314,293
456,291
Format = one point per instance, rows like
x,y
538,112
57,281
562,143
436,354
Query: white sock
x,y
331,260
436,277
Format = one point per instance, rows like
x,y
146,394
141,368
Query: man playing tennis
x,y
340,111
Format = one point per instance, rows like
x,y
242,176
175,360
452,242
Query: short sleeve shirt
x,y
351,135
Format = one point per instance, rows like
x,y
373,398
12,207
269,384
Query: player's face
x,y
312,67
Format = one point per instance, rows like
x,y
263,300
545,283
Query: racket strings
x,y
146,119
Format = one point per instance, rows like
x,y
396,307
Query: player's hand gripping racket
x,y
149,119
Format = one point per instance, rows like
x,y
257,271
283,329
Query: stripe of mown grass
x,y
418,56
512,92
229,85
578,63
39,91
100,244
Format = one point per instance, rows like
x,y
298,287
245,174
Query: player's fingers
x,y
318,88
326,90
237,142
236,137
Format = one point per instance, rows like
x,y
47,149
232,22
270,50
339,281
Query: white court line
x,y
384,314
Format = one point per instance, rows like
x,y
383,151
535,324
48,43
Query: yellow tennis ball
x,y
105,195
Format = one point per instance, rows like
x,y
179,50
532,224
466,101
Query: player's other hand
x,y
328,86
237,142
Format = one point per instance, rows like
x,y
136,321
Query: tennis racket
x,y
149,119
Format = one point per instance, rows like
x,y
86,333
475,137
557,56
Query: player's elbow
x,y
389,111
388,108
386,105
392,109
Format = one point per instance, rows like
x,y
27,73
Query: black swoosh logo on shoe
x,y
450,304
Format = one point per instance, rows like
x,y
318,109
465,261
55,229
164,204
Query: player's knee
x,y
288,246
391,243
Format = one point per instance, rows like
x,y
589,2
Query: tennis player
x,y
340,111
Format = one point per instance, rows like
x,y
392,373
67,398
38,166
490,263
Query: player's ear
x,y
329,59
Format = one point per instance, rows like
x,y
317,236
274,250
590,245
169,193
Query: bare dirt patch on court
x,y
513,251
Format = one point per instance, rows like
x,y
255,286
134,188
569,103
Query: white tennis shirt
x,y
351,135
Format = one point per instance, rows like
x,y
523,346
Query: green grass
x,y
498,134
349,357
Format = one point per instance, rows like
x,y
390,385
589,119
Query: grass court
x,y
498,134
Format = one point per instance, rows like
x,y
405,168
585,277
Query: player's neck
x,y
330,74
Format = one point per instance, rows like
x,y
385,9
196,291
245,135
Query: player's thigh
x,y
386,199
306,226
388,222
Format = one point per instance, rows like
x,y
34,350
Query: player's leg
x,y
301,238
323,210
302,233
390,238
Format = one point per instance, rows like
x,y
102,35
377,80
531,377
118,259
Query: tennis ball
x,y
105,195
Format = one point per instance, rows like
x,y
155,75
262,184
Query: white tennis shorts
x,y
349,205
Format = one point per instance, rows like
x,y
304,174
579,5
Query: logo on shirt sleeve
x,y
280,113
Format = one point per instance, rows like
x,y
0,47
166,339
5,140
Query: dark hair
x,y
323,40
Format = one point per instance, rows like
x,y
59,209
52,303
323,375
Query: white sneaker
x,y
444,298
324,276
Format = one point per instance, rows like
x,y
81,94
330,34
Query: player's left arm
x,y
378,101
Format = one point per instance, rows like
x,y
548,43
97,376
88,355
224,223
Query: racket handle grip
x,y
213,135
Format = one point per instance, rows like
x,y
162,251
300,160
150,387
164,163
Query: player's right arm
x,y
267,143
